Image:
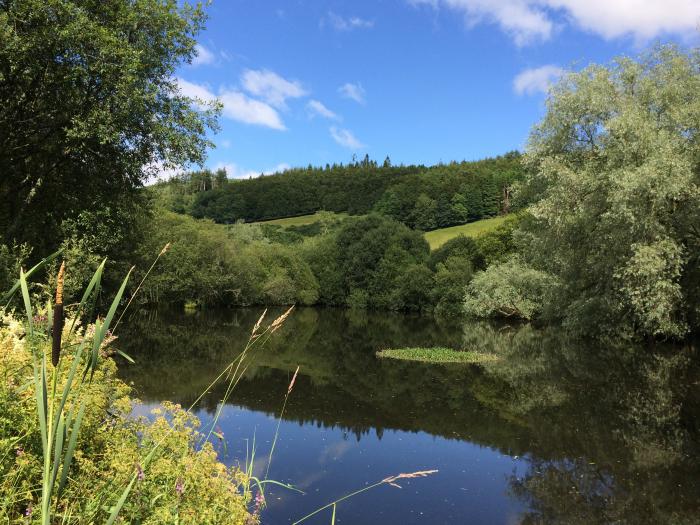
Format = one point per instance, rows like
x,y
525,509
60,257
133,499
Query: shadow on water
x,y
565,432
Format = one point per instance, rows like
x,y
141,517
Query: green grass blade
x,y
75,430
58,449
91,364
126,356
122,499
27,301
115,304
7,297
67,387
279,484
120,502
93,285
40,392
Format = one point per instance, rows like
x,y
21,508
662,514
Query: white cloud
x,y
240,107
353,91
226,144
203,57
340,23
198,91
234,171
536,80
236,105
643,19
345,138
530,20
315,107
271,87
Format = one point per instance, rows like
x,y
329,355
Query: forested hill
x,y
421,197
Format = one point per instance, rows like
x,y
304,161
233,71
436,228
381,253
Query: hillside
x,y
423,198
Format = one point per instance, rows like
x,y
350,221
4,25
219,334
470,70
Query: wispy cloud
x,y
340,23
271,87
236,105
316,108
536,80
527,21
345,138
353,91
203,56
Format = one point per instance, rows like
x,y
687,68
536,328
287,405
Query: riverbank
x,y
169,465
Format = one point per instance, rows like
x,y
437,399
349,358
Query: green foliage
x,y
497,244
435,355
461,247
214,264
616,171
12,258
372,255
110,446
451,280
92,84
450,194
509,289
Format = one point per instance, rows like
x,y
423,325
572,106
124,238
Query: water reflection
x,y
551,432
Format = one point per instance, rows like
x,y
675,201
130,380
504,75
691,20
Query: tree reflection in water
x,y
610,432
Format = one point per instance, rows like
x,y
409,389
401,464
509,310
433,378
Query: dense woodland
x,y
602,236
422,198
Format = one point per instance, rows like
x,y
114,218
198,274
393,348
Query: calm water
x,y
553,432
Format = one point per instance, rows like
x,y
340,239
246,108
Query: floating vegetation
x,y
437,355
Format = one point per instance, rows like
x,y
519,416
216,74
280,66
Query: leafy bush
x,y
461,246
209,263
451,280
508,289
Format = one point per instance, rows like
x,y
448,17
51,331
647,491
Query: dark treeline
x,y
420,197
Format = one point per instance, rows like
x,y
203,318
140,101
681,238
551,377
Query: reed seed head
x,y
291,383
280,320
59,283
257,325
391,480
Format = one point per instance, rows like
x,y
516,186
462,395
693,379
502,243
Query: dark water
x,y
552,432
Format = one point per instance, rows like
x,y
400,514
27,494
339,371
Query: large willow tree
x,y
88,103
615,172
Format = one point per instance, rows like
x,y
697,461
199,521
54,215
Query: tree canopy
x,y
615,176
89,106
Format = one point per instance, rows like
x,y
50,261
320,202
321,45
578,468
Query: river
x,y
553,431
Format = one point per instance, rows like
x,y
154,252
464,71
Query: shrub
x,y
508,289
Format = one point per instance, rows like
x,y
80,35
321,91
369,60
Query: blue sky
x,y
423,81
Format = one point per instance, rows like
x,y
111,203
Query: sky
x,y
421,81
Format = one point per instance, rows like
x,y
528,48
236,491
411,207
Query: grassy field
x,y
435,355
301,220
437,238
